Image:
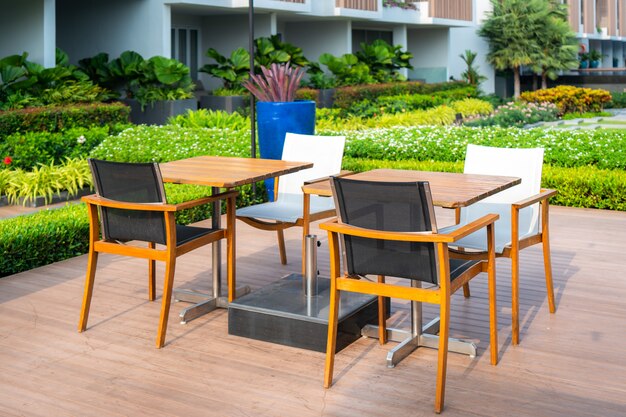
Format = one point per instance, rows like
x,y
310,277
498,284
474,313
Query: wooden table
x,y
220,172
449,190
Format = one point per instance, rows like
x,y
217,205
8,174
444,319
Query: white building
x,y
436,32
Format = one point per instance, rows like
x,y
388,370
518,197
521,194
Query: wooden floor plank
x,y
571,363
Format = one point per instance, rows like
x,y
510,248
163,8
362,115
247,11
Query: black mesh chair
x,y
131,204
389,229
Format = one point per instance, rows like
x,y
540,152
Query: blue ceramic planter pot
x,y
274,120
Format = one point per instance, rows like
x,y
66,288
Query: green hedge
x,y
29,149
346,96
54,235
27,242
55,119
585,187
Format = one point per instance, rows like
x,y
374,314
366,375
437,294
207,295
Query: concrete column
x,y
618,54
49,33
273,24
166,31
400,38
607,54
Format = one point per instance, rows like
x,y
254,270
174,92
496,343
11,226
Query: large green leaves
x,y
233,71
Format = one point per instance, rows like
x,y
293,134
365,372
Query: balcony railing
x,y
366,5
450,9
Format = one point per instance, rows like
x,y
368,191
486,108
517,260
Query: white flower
x,y
81,139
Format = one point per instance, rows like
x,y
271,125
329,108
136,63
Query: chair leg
x,y
281,247
89,279
466,290
442,354
151,275
493,314
331,344
515,297
547,264
170,266
382,315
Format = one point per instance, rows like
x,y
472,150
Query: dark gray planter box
x,y
228,104
159,112
326,98
56,198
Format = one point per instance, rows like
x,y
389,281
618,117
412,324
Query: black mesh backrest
x,y
392,207
137,183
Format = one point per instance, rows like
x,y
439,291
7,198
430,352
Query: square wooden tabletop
x,y
226,172
449,190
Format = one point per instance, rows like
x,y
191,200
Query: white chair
x,y
523,212
326,153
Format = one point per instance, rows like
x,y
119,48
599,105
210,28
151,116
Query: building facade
x,y
436,32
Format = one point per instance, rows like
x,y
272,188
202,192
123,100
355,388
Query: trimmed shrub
x,y
330,120
27,242
587,187
211,119
29,149
472,107
55,119
168,143
516,114
618,100
570,99
345,96
308,94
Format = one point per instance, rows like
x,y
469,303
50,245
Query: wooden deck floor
x,y
572,363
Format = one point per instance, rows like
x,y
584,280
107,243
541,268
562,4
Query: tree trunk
x,y
516,83
544,80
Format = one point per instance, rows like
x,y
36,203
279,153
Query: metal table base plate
x,y
202,303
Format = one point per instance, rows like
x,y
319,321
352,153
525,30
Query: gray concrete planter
x,y
326,98
159,112
228,104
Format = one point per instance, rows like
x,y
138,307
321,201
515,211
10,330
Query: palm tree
x,y
558,45
512,30
471,74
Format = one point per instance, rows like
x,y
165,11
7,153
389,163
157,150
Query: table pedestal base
x,y
426,338
281,313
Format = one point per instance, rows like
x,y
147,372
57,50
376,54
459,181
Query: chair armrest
x,y
126,205
473,226
336,227
545,194
206,200
342,173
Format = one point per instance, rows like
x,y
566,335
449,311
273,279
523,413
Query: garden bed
x,y
43,201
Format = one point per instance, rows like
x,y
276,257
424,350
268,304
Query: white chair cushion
x,y
287,209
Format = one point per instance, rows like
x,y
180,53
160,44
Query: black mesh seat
x,y
130,205
389,229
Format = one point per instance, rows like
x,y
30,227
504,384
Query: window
x,y
369,36
185,48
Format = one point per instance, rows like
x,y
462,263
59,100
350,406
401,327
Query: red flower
x,y
8,160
